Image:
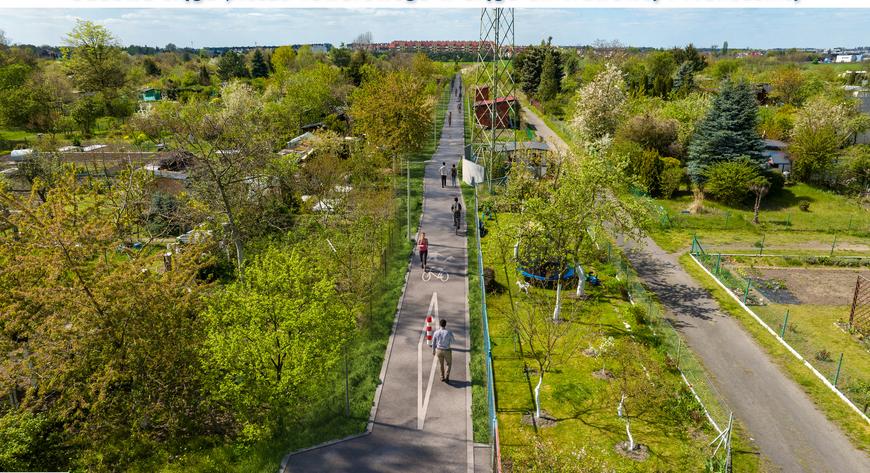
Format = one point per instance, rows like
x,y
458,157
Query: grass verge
x,y
479,409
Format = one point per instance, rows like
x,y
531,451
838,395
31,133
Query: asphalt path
x,y
421,423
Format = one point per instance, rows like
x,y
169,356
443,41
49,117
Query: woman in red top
x,y
423,249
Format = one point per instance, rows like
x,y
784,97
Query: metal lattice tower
x,y
494,54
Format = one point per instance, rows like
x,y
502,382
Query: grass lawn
x,y
326,420
669,420
851,424
811,330
784,227
11,139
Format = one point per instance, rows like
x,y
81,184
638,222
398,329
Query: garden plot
x,y
814,286
809,307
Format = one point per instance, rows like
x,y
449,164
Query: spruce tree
x,y
259,68
728,131
684,81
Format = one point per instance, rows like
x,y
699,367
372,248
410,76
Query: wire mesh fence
x,y
487,347
838,354
672,344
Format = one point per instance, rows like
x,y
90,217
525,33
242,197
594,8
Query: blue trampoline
x,y
568,275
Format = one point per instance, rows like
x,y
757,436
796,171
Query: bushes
x,y
652,132
821,128
671,176
853,170
728,181
648,168
30,441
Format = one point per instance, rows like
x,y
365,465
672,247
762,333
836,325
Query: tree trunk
x,y
558,308
757,206
538,394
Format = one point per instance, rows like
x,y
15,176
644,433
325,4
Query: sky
x,y
743,28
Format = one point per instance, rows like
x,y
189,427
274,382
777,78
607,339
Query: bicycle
x,y
443,276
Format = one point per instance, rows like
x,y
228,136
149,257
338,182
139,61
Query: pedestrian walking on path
x,y
449,118
453,173
443,171
423,249
441,342
456,209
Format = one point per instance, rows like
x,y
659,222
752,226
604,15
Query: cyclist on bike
x,y
456,208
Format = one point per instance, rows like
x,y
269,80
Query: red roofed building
x,y
506,109
466,47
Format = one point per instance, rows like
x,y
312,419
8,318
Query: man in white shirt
x,y
443,171
441,341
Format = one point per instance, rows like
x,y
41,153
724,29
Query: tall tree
x,y
94,58
661,67
340,57
728,131
551,76
788,85
232,65
528,65
283,58
684,81
259,68
600,105
821,128
105,341
230,145
204,76
151,67
358,60
273,339
393,112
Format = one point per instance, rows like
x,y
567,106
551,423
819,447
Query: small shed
x,y
775,152
150,95
533,154
506,112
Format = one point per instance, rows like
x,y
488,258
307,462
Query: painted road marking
x,y
423,403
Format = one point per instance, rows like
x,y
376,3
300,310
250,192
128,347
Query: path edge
x,y
285,462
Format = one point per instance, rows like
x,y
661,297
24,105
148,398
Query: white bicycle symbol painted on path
x,y
442,275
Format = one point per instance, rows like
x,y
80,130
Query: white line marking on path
x,y
423,403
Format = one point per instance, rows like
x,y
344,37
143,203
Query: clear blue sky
x,y
647,27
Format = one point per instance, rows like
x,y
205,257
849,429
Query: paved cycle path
x,y
412,395
785,424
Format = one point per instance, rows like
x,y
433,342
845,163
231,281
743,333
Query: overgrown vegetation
x,y
129,349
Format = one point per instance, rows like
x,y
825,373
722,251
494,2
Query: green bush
x,y
30,442
639,314
728,181
853,170
671,176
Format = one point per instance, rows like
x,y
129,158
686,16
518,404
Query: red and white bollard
x,y
429,330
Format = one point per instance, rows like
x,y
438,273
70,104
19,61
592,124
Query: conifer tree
x,y
259,68
551,77
728,131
